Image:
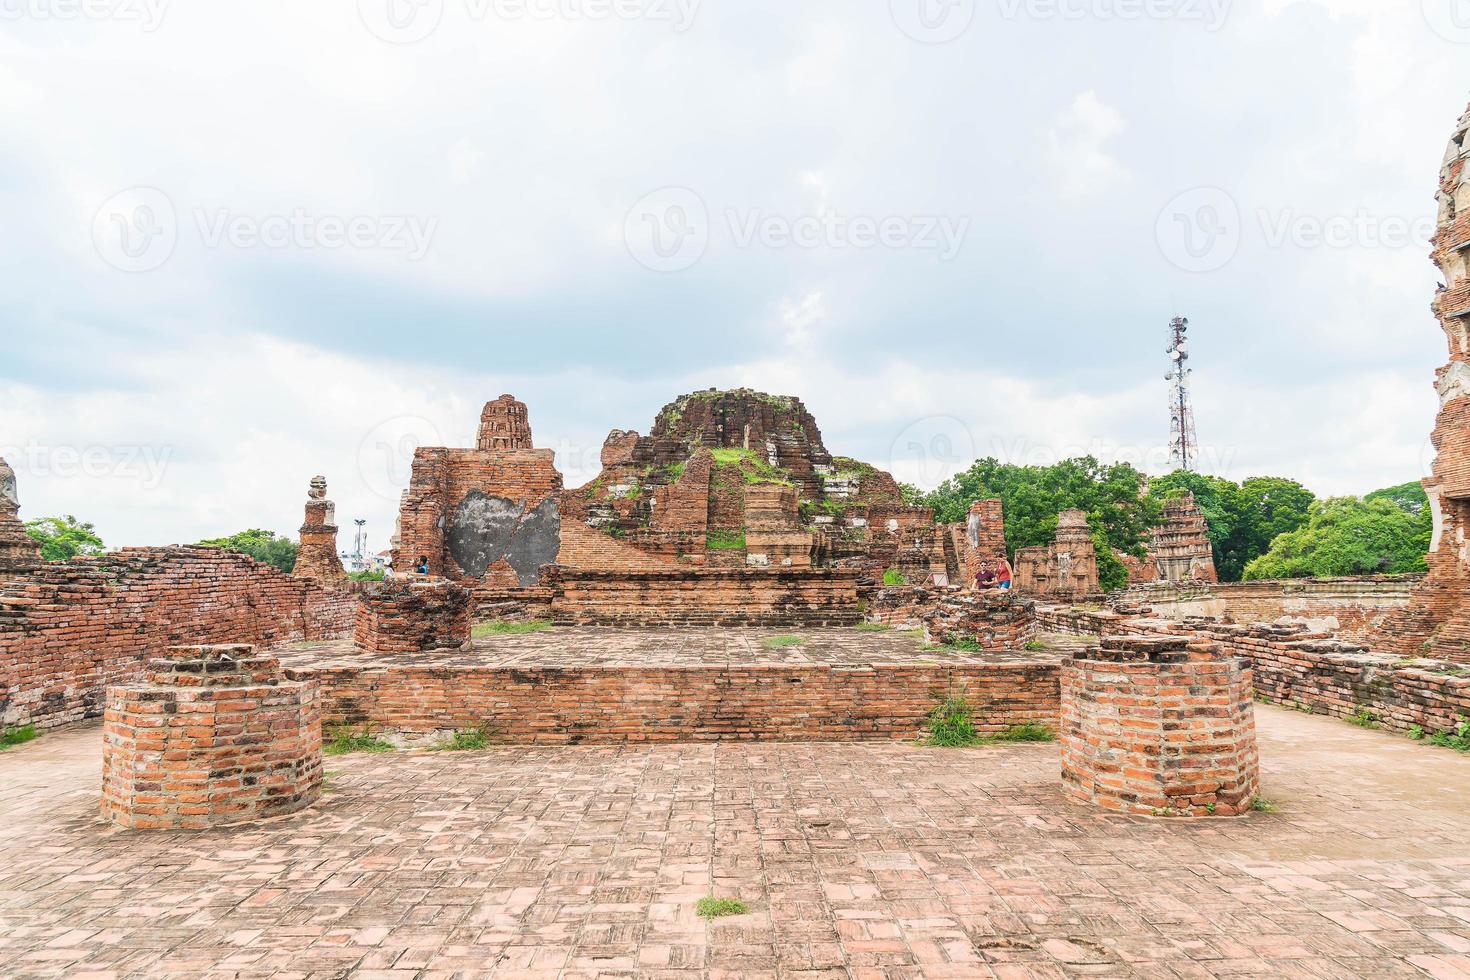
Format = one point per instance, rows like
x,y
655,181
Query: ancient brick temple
x,y
19,552
1159,725
317,557
1065,568
484,516
213,736
984,538
1181,550
1438,616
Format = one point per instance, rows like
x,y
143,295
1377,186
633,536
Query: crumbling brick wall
x,y
993,620
73,628
412,617
703,597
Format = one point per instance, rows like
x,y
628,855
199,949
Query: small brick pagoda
x,y
1181,549
19,552
213,736
1065,568
317,556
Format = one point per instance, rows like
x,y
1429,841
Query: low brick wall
x,y
994,620
704,597
1353,608
71,629
631,704
1159,725
214,737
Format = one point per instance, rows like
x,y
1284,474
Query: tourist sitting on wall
x,y
985,578
421,567
1003,575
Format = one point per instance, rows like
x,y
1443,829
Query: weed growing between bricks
x,y
469,740
718,908
951,725
343,740
16,736
778,642
502,628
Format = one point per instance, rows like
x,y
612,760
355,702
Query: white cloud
x,y
1077,143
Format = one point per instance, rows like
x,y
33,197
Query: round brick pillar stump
x,y
1161,726
214,736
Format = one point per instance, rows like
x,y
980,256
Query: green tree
x,y
1033,496
263,546
65,537
1348,536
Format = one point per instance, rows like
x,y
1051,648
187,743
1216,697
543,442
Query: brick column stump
x,y
214,736
1162,726
412,616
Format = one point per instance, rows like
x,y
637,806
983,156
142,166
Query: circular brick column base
x,y
214,736
1159,726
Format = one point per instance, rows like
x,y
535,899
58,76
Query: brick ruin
x,y
212,736
317,556
412,616
1065,568
1437,619
995,620
1159,725
1181,549
19,552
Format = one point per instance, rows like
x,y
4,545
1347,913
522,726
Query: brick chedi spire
x,y
1181,545
317,557
18,550
504,424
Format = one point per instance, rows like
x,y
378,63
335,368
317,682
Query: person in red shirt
x,y
1004,575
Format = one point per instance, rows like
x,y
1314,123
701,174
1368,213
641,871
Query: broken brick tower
x,y
317,556
1181,548
504,424
18,550
1437,619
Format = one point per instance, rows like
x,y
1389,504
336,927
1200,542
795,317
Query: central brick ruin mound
x,y
1159,725
998,620
214,736
404,617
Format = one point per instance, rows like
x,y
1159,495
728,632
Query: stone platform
x,y
606,686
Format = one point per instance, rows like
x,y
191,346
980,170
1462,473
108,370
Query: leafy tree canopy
x,y
263,546
1111,495
65,537
1349,536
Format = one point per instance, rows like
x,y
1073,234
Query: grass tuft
x,y
873,627
500,627
1262,805
777,642
718,908
724,540
468,740
17,736
951,725
893,577
1459,739
343,740
1364,718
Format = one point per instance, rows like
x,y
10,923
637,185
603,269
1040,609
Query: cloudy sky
x,y
248,243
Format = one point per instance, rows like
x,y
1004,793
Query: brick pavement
x,y
873,860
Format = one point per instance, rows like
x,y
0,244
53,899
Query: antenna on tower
x,y
1183,440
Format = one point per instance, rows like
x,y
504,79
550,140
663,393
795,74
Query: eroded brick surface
x,y
875,861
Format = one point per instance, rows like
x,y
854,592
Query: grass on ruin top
x,y
753,469
951,725
777,642
342,740
17,736
500,627
718,908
